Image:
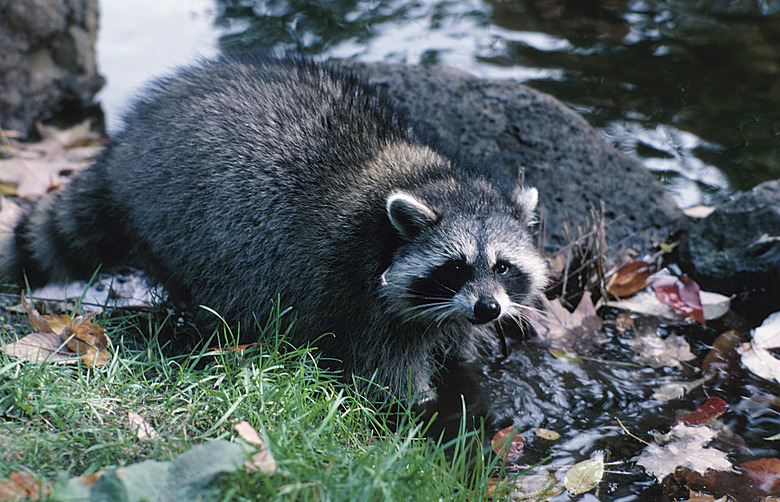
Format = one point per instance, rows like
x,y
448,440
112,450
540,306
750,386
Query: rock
x,y
509,125
47,62
736,250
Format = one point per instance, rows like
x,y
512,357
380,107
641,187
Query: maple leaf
x,y
560,329
683,446
657,352
756,356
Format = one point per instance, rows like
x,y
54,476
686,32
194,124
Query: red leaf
x,y
765,473
630,278
513,438
680,294
713,408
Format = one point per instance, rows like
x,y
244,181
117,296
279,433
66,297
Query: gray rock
x,y
736,250
47,59
510,126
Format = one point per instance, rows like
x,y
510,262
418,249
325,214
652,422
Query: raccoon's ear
x,y
409,215
526,198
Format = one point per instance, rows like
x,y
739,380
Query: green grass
x,y
329,442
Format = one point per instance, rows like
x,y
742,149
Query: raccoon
x,y
244,179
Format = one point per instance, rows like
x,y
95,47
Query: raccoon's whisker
x,y
419,311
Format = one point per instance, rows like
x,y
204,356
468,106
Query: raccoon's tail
x,y
65,235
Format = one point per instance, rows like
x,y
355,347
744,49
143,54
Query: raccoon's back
x,y
241,179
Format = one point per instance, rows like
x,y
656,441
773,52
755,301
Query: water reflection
x,y
688,68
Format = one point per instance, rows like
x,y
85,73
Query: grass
x,y
329,442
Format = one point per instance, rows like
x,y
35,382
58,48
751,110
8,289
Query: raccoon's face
x,y
475,265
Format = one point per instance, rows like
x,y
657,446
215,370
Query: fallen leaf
x,y
683,446
712,408
767,335
36,167
676,390
721,364
714,305
86,340
187,477
546,434
658,352
23,486
507,444
143,429
682,294
585,476
39,347
630,278
262,460
765,473
698,212
531,487
760,362
560,329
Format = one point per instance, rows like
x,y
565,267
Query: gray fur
x,y
246,178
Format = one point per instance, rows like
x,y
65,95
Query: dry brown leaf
x,y
507,444
36,168
263,460
39,347
82,337
23,486
87,338
560,329
143,429
630,278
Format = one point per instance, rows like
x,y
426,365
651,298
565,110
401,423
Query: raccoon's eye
x,y
501,268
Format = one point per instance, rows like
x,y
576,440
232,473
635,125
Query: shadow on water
x,y
690,87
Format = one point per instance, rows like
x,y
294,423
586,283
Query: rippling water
x,y
690,87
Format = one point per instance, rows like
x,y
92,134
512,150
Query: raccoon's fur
x,y
245,178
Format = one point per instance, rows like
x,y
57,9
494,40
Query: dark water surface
x,y
690,87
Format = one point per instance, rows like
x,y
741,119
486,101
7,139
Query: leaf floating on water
x,y
560,329
507,444
756,357
546,434
658,352
682,294
714,305
631,277
683,446
767,335
586,475
711,409
765,474
676,390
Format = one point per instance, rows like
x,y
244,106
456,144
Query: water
x,y
689,87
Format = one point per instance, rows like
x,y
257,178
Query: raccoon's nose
x,y
486,309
